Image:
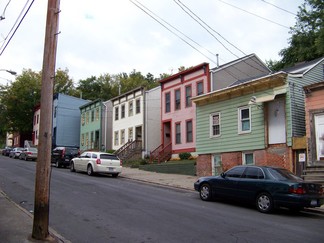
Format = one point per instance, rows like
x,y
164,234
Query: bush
x,y
184,156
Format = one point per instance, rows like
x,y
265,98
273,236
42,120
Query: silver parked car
x,y
97,162
28,154
15,152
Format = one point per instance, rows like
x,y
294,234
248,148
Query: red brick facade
x,y
275,155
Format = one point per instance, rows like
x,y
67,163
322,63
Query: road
x,y
106,209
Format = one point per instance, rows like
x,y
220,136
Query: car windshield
x,y
33,149
283,174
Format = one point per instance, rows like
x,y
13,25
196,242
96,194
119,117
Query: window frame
x,y
122,112
241,120
177,101
189,132
167,102
130,108
244,162
188,95
177,133
116,113
138,106
202,88
211,124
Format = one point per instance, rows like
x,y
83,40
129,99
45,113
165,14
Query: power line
x,y
279,7
3,47
2,17
136,4
269,20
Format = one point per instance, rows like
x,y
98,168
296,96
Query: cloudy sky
x,y
150,36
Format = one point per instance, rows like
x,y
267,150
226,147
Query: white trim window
x,y
244,120
214,121
248,158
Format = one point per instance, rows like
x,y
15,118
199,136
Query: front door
x,y
277,121
319,136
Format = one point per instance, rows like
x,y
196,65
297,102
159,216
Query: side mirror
x,y
222,174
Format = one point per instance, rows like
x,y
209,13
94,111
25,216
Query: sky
x,y
150,36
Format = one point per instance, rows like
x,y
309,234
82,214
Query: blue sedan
x,y
267,187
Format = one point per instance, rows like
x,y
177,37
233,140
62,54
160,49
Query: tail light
x,y
29,152
98,161
298,190
63,153
321,190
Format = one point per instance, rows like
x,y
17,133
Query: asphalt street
x,y
106,209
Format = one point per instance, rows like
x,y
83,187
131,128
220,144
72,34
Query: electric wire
x,y
269,20
279,8
171,31
2,17
3,47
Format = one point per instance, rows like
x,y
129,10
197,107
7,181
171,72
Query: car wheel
x,y
89,170
205,192
25,158
72,167
57,164
264,202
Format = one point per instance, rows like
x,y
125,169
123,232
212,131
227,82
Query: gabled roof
x,y
304,67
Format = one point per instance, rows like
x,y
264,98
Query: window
x,y
248,158
123,111
244,120
214,124
87,139
188,96
122,136
55,111
200,88
138,106
177,99
130,108
253,173
91,140
130,134
116,139
83,119
235,172
189,131
92,115
116,113
178,133
97,114
87,117
167,103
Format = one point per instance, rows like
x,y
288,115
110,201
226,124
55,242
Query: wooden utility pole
x,y
43,165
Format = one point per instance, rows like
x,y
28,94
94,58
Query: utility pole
x,y
43,165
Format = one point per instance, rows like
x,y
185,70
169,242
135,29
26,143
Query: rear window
x,y
33,149
72,150
283,175
108,156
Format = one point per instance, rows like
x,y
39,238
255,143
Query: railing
x,y
161,153
130,146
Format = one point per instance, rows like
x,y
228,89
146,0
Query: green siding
x,y
230,139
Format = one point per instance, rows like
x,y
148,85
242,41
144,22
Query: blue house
x,y
66,120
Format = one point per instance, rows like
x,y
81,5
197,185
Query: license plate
x,y
110,169
314,202
67,160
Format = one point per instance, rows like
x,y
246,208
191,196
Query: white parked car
x,y
97,162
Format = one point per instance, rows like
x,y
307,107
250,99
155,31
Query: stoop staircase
x,y
314,173
130,151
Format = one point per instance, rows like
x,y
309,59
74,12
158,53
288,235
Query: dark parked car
x,y
61,156
6,150
266,187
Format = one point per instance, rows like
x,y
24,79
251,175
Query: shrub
x,y
184,156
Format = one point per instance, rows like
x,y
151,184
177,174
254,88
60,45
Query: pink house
x,y
178,121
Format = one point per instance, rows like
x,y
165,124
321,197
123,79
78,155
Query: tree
x,y
18,101
307,40
63,83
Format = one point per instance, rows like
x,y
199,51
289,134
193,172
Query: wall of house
x,y
130,121
274,155
89,127
107,125
229,139
184,114
296,97
152,125
66,120
36,127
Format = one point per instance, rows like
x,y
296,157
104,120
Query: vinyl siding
x,y
229,139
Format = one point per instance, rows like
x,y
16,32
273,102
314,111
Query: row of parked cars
x,y
91,162
20,153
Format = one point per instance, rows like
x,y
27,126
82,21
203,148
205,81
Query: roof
x,y
301,68
185,72
90,103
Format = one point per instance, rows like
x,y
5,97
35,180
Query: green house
x,y
259,121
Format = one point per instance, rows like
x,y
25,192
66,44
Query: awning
x,y
268,97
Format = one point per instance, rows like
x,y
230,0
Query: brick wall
x,y
275,155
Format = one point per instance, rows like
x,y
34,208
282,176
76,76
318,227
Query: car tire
x,y
205,192
89,170
57,164
25,158
72,169
264,202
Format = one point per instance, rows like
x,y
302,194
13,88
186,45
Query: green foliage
x,y
307,36
184,156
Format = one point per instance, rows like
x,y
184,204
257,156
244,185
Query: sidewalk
x,y
16,223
